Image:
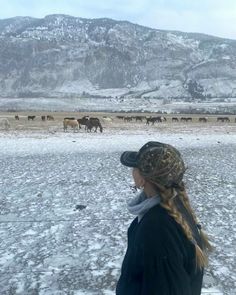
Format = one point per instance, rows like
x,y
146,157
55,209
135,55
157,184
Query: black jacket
x,y
160,260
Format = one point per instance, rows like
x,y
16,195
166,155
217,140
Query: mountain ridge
x,y
66,56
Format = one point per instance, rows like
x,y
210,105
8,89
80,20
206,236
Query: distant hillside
x,y
64,56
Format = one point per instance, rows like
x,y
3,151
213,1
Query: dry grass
x,y
24,125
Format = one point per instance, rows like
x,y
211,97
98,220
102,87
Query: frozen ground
x,y
113,104
48,247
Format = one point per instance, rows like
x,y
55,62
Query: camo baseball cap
x,y
158,162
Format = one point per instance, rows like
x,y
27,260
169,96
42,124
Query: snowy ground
x,y
49,247
114,104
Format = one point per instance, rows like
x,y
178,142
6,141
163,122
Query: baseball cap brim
x,y
129,159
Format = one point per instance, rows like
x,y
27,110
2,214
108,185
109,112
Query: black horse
x,y
31,118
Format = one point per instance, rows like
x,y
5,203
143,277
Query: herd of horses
x,y
151,119
89,122
43,118
94,124
159,119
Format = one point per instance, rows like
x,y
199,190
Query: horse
x,y
223,119
128,119
203,119
17,117
69,118
175,119
31,118
184,119
4,123
83,121
72,123
107,119
150,120
50,118
138,118
154,119
94,122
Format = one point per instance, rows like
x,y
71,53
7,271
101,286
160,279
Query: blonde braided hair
x,y
185,200
167,202
162,165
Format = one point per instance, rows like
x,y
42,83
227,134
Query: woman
x,y
167,250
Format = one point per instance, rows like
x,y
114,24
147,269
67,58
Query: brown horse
x,y
223,119
83,121
120,117
175,119
155,119
50,118
94,123
139,118
186,119
128,119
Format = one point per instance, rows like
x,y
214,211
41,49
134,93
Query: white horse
x,y
72,123
4,124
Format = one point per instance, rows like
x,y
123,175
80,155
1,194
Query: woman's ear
x,y
142,182
139,180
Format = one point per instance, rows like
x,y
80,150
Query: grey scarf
x,y
141,204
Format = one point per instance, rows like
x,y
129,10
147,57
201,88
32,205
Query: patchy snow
x,y
119,104
97,143
75,87
49,247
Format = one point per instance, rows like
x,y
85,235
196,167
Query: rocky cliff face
x,y
60,56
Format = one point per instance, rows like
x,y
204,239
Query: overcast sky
x,y
214,17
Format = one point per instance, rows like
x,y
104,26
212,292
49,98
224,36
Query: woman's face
x,y
139,180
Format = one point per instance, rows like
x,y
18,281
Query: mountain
x,y
65,56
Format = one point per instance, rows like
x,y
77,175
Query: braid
x,y
167,202
170,207
185,200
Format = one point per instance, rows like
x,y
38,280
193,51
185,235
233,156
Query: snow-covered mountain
x,y
64,56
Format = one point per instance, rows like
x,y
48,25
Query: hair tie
x,y
199,226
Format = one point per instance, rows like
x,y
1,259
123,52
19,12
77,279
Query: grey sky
x,y
215,17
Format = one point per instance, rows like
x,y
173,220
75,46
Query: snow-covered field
x,y
49,247
114,104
